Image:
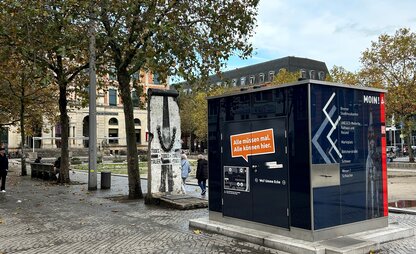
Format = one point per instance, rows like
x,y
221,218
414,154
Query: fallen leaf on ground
x,y
197,232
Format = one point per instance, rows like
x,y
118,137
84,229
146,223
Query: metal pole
x,y
92,143
402,141
391,137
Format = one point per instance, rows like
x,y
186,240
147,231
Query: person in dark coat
x,y
202,174
4,168
38,159
57,166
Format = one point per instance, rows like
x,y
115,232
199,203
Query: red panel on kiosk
x,y
383,154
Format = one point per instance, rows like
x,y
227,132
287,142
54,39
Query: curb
x,y
401,165
401,210
123,175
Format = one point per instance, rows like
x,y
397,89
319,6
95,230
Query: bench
x,y
43,171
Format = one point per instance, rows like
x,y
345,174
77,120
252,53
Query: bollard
x,y
105,180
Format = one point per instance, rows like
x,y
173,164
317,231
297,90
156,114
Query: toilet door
x,y
237,196
255,171
269,177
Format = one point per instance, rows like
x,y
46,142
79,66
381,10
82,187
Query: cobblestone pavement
x,y
42,217
404,246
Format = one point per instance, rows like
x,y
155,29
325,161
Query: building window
x,y
137,122
271,76
135,76
112,73
113,136
234,82
138,136
112,94
252,79
321,75
156,80
58,134
243,81
302,73
85,130
113,121
135,98
312,74
261,78
187,90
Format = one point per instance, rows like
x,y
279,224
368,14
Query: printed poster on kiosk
x,y
243,145
348,133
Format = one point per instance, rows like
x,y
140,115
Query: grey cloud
x,y
356,27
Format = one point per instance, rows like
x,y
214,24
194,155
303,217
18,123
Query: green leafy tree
x,y
390,62
52,35
25,88
284,76
339,74
186,107
186,38
199,111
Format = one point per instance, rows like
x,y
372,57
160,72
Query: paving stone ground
x,y
43,217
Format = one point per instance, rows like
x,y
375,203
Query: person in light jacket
x,y
186,169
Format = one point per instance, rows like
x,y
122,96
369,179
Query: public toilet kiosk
x,y
305,160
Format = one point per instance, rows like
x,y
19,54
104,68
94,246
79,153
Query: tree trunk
x,y
135,190
192,143
64,170
22,134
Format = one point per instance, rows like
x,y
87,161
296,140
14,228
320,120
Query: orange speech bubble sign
x,y
252,143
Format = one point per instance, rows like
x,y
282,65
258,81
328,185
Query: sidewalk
x,y
43,217
401,184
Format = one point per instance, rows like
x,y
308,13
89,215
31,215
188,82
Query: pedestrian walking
x,y
38,159
57,166
202,174
186,169
4,168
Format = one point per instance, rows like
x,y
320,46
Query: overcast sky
x,y
335,32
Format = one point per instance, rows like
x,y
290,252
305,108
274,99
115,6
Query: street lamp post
x,y
92,146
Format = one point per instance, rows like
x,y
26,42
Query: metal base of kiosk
x,y
301,241
307,235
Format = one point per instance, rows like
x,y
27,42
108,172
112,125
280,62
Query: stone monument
x,y
164,160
